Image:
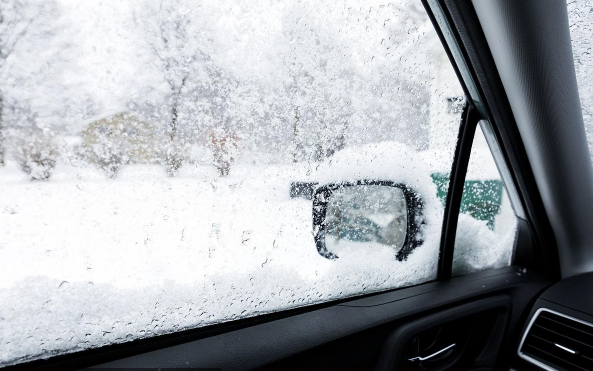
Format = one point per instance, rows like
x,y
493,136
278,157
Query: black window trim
x,y
535,244
469,122
470,117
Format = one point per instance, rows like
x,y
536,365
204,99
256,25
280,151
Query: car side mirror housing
x,y
368,214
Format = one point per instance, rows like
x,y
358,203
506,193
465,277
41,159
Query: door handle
x,y
426,361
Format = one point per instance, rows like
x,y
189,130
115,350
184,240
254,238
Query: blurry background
x,y
111,83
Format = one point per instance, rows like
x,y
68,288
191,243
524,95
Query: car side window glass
x,y
487,222
580,18
171,165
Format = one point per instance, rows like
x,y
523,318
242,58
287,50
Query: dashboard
x,y
558,334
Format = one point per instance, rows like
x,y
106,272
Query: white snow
x,y
478,248
88,261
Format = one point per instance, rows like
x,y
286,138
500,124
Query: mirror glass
x,y
366,215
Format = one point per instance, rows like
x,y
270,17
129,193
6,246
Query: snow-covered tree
x,y
319,81
293,81
30,55
177,43
13,26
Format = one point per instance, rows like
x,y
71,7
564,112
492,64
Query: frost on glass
x,y
580,17
147,150
487,223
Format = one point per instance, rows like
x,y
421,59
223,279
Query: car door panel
x,y
354,334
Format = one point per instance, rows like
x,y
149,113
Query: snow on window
x,y
487,223
580,17
148,148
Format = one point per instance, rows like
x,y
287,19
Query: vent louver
x,y
555,341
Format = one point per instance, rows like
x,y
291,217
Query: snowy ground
x,y
87,261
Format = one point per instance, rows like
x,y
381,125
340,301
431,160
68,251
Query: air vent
x,y
555,341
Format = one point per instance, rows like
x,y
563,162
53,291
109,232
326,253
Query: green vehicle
x,y
482,198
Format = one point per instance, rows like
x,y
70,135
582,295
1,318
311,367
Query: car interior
x,y
515,63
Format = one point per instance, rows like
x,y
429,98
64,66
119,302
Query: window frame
x,y
460,32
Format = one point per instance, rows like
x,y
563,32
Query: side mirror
x,y
366,214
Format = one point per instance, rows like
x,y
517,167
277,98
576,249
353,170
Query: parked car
x,y
492,188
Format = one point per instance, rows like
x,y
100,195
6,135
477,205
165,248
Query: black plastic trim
x,y
563,298
460,161
393,354
470,119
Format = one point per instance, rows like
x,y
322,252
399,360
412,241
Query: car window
x,y
162,162
487,222
580,17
